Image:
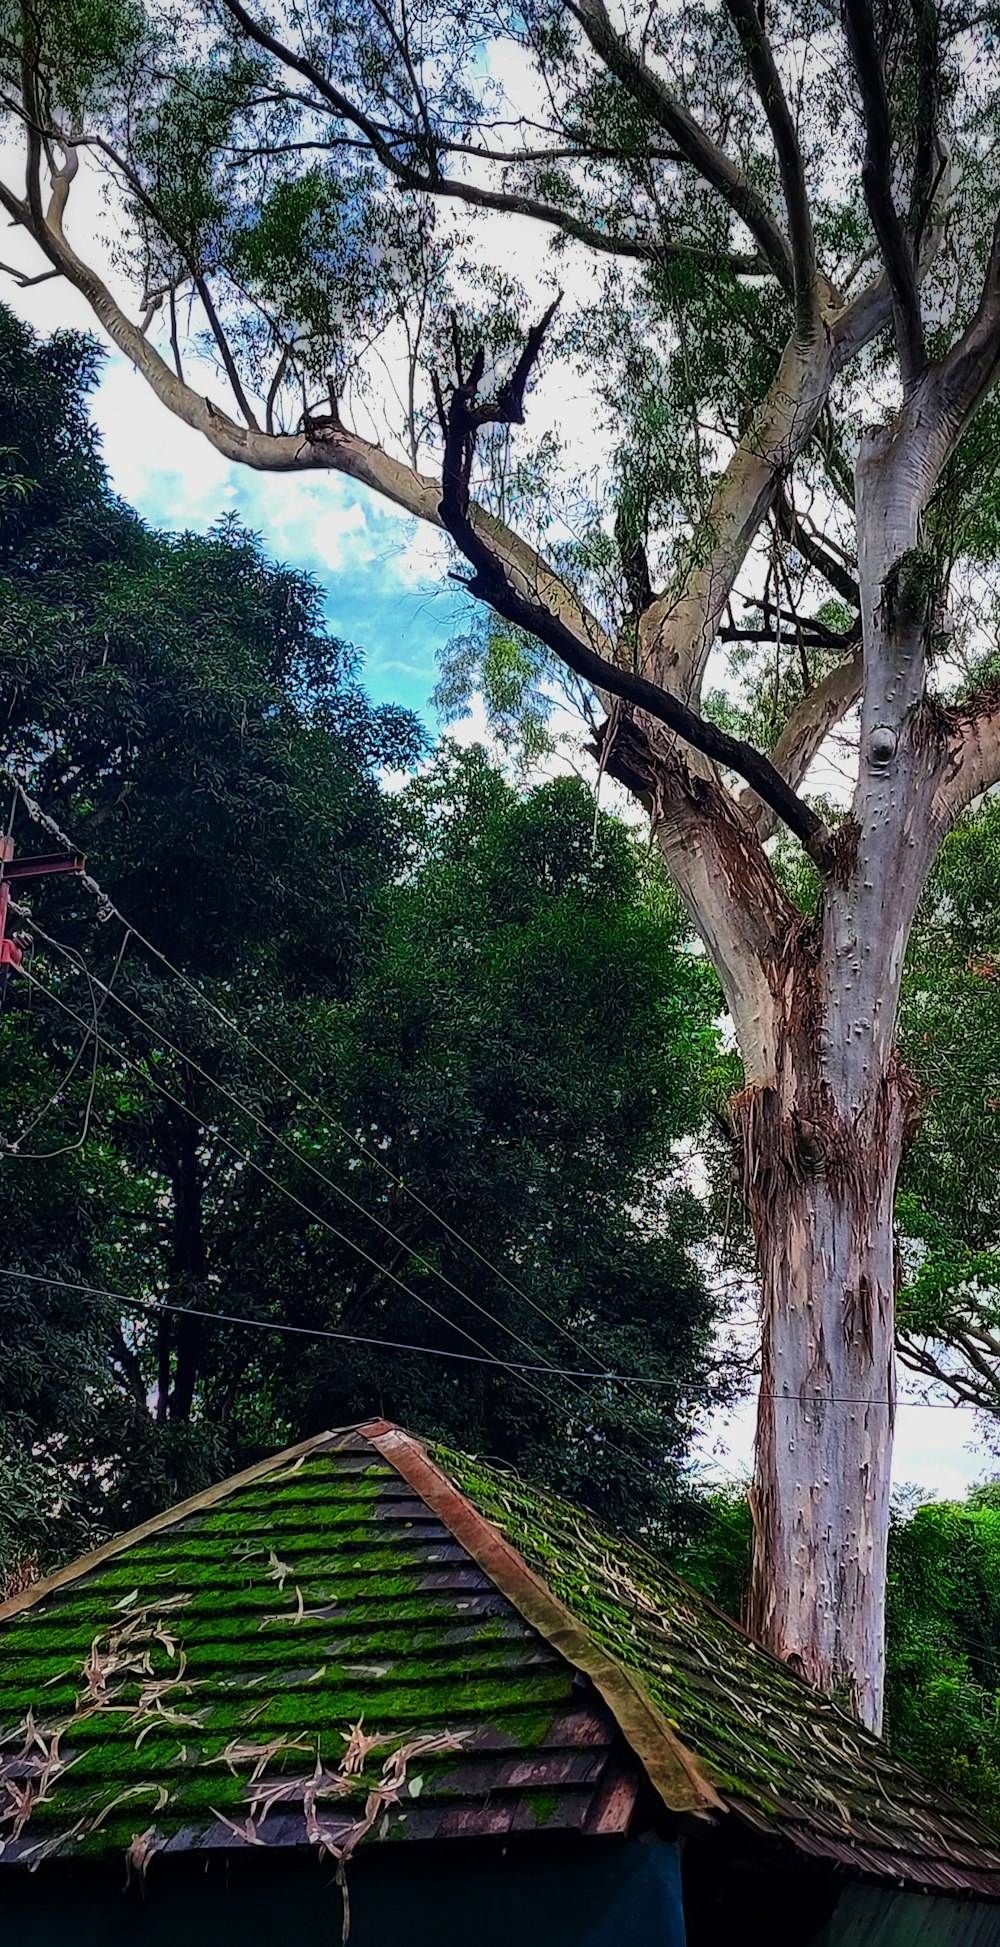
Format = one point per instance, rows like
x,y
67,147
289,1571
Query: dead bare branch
x,y
462,418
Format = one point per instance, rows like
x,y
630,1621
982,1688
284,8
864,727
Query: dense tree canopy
x,y
179,704
479,1006
527,1045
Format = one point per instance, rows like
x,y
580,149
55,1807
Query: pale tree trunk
x,y
822,1137
820,1184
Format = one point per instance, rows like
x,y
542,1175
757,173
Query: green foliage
x,y
516,679
715,1556
525,1051
943,1707
489,991
177,703
913,584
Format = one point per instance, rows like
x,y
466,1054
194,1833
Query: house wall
x,y
866,1916
753,1898
604,1895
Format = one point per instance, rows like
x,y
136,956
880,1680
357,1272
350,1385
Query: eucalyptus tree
x,y
778,227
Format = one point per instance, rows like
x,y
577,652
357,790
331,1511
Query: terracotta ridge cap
x,y
672,1769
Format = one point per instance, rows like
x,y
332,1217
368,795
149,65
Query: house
x,y
370,1689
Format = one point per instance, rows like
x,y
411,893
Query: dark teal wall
x,y
867,1916
609,1894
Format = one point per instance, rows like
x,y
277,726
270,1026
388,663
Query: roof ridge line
x,y
673,1770
207,1497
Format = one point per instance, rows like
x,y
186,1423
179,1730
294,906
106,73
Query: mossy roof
x,y
368,1639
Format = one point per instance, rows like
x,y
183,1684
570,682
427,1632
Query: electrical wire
x,y
154,1306
317,1332
260,1123
108,910
159,1087
15,1148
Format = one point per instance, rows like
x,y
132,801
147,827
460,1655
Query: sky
x,y
386,590
383,575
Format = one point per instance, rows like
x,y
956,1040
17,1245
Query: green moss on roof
x,y
240,1644
768,1741
315,1641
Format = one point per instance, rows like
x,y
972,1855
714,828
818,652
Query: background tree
x,y
949,1212
943,1635
785,232
525,1051
488,995
177,702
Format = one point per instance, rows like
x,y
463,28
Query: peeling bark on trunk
x,y
820,1182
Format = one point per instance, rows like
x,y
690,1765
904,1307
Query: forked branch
x,y
494,581
895,242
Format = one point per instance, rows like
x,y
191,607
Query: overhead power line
x,y
155,1306
520,1374
274,1135
108,910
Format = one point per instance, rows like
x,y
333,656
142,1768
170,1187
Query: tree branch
x,y
793,530
655,99
492,582
895,245
679,627
928,160
23,282
323,446
919,1357
201,286
863,319
972,731
32,123
960,383
651,247
806,729
748,20
722,873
